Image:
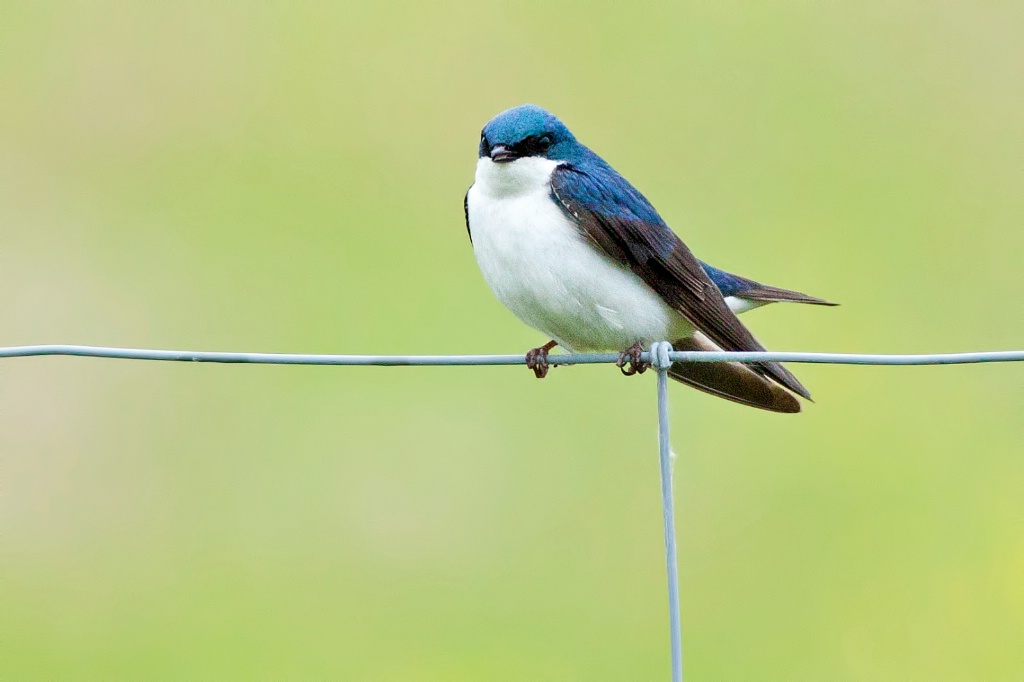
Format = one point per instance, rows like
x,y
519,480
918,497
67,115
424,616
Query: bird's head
x,y
523,132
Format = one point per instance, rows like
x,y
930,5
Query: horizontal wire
x,y
450,360
568,359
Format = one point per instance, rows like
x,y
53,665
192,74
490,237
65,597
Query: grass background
x,y
289,177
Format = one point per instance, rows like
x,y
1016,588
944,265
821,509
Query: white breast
x,y
545,271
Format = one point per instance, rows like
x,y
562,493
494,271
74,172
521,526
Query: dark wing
x,y
730,380
613,214
465,209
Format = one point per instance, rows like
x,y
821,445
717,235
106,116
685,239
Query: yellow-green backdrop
x,y
289,177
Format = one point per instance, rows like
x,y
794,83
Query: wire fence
x,y
448,360
660,356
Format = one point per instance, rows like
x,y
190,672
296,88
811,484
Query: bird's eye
x,y
485,146
536,145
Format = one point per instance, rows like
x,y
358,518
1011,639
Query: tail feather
x,y
769,294
763,293
732,380
741,287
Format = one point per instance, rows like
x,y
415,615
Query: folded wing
x,y
620,220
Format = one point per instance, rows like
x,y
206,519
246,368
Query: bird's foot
x,y
537,359
629,362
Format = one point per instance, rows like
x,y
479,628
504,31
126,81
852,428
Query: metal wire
x,y
660,353
568,359
660,356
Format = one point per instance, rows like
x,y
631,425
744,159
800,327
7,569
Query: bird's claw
x,y
629,362
537,359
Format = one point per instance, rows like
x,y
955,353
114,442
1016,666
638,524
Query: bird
x,y
576,252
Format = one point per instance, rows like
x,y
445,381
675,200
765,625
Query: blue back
x,y
599,187
729,285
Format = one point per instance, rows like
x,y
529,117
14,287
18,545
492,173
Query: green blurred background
x,y
289,177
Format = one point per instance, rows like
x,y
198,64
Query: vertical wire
x,y
660,360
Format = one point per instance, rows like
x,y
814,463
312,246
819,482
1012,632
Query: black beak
x,y
502,154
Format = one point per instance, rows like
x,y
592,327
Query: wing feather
x,y
620,220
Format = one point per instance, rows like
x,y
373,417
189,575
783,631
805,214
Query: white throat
x,y
515,178
543,268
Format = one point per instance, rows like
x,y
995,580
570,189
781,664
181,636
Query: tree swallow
x,y
577,253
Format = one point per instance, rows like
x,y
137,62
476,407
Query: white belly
x,y
543,270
